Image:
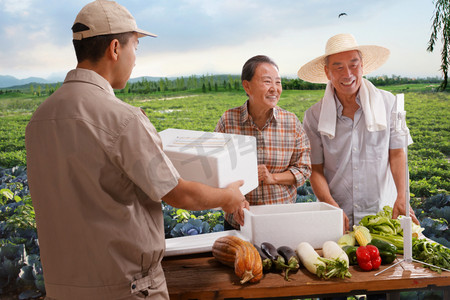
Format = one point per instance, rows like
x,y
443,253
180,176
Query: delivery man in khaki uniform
x,y
97,173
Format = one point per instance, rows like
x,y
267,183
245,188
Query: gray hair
x,y
248,70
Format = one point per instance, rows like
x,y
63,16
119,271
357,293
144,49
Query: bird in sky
x,y
342,14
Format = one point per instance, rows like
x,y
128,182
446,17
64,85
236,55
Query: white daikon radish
x,y
309,257
332,250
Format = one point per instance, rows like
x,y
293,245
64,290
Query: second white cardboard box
x,y
212,158
291,224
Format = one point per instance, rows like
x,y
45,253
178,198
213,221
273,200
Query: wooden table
x,y
201,276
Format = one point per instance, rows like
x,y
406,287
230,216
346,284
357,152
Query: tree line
x,y
205,83
211,83
215,83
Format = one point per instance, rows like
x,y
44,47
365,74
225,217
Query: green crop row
x,y
427,117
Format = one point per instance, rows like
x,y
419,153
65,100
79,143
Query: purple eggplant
x,y
290,258
271,252
266,262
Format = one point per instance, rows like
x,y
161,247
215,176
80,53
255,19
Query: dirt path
x,y
168,98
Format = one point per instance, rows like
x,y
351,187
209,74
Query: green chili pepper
x,y
351,253
387,250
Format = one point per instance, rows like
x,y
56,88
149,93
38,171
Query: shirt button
x,y
355,168
356,187
354,149
356,206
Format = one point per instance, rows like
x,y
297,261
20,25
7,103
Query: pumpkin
x,y
242,255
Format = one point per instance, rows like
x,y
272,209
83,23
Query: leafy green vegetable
x,y
382,223
181,222
191,227
333,268
383,227
20,266
431,253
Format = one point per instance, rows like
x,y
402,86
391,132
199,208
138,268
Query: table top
x,y
201,276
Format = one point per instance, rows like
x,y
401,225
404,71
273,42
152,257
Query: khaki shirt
x,y
97,172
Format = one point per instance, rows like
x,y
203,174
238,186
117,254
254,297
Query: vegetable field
x,y
428,118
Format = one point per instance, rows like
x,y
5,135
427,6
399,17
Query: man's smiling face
x,y
345,71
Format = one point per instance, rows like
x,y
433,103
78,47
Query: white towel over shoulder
x,y
371,103
372,106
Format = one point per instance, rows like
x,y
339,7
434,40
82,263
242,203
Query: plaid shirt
x,y
282,145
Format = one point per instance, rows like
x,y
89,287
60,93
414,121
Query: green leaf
x,y
7,194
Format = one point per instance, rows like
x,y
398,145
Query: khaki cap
x,y
106,17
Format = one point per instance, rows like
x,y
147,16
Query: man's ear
x,y
113,49
325,69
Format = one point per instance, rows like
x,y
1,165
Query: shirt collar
x,y
245,116
89,76
339,106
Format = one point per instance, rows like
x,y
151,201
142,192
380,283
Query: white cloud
x,y
41,62
16,7
205,36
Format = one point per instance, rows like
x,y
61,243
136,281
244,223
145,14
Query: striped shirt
x,y
282,145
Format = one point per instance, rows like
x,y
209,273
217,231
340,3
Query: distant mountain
x,y
7,81
10,81
148,78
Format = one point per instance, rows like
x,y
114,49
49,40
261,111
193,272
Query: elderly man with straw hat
x,y
357,158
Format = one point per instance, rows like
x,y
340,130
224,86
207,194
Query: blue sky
x,y
217,37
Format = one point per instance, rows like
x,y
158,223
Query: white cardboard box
x,y
291,224
212,158
199,243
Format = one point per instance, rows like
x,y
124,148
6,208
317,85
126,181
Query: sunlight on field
x,y
167,98
427,117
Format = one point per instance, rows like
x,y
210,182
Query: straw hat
x,y
373,57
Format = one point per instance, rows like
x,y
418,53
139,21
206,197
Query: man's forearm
x,y
397,161
322,191
197,196
319,185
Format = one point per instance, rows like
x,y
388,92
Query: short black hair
x,y
93,48
248,70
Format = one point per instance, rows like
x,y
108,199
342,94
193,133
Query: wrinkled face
x,y
345,71
126,62
264,89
